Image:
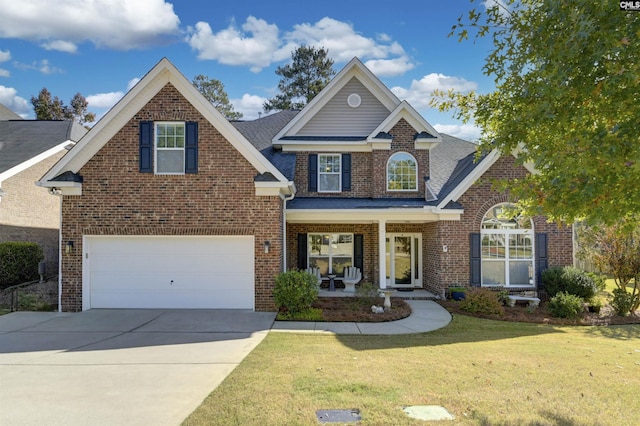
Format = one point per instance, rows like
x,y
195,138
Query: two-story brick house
x,y
166,204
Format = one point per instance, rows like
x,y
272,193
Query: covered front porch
x,y
395,248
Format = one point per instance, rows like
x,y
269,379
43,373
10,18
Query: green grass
x,y
484,372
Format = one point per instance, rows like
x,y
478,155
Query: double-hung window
x,y
169,144
329,173
331,253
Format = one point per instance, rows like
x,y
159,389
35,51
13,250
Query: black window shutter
x,y
302,251
191,147
476,260
146,147
346,172
541,257
358,252
313,172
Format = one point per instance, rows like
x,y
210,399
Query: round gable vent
x,y
354,100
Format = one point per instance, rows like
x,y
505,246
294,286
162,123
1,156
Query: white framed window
x,y
402,172
507,248
329,172
169,147
331,253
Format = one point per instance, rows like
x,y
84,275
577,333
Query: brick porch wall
x,y
219,200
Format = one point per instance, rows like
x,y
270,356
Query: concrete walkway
x,y
426,315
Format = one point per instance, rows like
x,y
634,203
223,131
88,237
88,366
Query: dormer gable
x,y
346,111
426,137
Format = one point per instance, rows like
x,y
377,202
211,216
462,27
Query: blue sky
x,y
100,48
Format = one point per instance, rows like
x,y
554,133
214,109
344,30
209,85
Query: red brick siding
x,y
369,169
444,269
219,200
454,265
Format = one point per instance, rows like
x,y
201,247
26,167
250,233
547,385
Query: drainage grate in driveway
x,y
338,416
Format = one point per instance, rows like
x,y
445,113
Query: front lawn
x,y
484,372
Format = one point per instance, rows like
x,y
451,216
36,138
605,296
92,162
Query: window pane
x,y
321,263
170,161
329,182
339,263
493,273
520,273
342,245
401,173
493,246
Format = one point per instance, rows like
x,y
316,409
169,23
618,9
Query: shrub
x,y
367,294
503,297
295,290
18,262
570,280
565,305
482,301
31,302
622,302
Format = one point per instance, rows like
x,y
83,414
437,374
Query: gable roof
x,y
7,114
158,77
24,143
354,69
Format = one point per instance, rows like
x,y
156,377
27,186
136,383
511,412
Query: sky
x,y
101,48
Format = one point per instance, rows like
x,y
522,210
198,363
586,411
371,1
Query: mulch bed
x,y
541,315
353,309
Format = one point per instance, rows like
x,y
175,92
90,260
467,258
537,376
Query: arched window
x,y
507,248
402,172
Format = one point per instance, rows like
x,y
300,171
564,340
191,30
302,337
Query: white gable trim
x,y
162,73
406,111
355,68
34,160
471,178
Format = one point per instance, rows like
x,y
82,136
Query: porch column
x,y
382,252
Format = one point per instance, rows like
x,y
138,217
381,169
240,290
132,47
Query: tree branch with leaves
x,y
566,100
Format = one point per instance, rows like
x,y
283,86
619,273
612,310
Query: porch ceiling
x,y
420,215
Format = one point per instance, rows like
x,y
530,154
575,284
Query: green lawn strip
x,y
482,371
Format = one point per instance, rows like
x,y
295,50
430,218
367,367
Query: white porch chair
x,y
316,272
352,276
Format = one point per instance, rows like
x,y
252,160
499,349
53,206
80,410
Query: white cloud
x,y
43,66
389,67
342,41
4,73
253,45
419,94
5,55
249,105
113,24
257,44
104,100
9,98
132,83
467,132
60,45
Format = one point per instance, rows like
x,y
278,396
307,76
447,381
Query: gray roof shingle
x,y
21,140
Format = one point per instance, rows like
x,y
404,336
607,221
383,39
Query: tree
x,y
310,71
79,109
615,250
52,108
567,85
213,90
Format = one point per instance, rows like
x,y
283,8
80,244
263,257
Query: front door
x,y
404,260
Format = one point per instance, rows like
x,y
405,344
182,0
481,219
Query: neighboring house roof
x,y
260,132
163,73
26,142
7,114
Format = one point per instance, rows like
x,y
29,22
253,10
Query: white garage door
x,y
168,272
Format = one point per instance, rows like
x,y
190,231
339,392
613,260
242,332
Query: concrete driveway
x,y
119,367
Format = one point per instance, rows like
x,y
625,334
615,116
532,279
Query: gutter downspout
x,y
58,193
284,229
